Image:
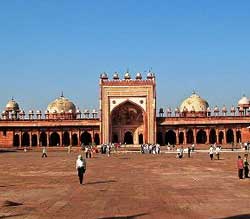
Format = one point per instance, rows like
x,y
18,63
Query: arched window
x,y
181,138
230,136
74,140
128,138
54,139
159,138
86,138
16,141
43,139
201,137
97,139
170,137
34,140
190,136
212,136
65,139
25,139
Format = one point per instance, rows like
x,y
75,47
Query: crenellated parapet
x,y
127,80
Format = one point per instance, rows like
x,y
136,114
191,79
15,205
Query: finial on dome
x,y
62,94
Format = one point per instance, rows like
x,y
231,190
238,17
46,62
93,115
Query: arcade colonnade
x,y
55,137
179,136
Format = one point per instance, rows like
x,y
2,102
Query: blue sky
x,y
51,46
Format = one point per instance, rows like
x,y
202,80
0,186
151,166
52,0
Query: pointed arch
x,y
212,136
54,139
97,139
190,136
16,140
25,139
181,138
74,140
230,136
170,137
86,138
65,139
34,140
221,137
43,139
128,138
201,137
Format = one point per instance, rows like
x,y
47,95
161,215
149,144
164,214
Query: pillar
x,y
225,136
217,135
20,139
61,138
207,133
194,134
48,137
70,138
177,136
30,134
235,136
38,139
185,136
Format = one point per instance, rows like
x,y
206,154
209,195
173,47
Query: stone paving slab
x,y
122,186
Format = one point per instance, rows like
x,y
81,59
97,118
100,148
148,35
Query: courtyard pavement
x,y
124,185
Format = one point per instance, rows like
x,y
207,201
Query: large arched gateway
x,y
127,123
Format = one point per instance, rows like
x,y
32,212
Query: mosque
x,y
127,115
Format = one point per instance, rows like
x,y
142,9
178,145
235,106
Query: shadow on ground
x,y
243,216
9,216
100,182
7,151
125,217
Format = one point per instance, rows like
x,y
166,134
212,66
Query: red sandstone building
x,y
127,114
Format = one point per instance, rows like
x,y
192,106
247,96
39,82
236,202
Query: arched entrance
x,y
74,140
54,139
86,138
34,140
201,137
128,138
26,139
115,138
43,139
181,138
65,139
159,138
230,136
16,141
97,139
170,137
140,138
238,136
212,136
221,137
190,136
124,117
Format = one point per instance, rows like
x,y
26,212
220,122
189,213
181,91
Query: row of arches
x,y
128,138
54,139
200,138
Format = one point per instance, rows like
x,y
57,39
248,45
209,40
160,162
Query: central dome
x,y
12,105
61,105
194,103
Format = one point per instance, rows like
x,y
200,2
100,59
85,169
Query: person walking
x,y
240,167
217,152
211,152
44,152
80,167
246,164
189,151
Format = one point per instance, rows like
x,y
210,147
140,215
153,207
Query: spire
x,y
62,94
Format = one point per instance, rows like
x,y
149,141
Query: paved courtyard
x,y
122,186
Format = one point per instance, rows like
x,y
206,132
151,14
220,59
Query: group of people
x,y
214,149
150,149
243,166
180,152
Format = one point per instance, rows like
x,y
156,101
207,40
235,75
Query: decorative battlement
x,y
127,79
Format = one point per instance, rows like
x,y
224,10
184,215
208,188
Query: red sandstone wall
x,y
245,134
6,141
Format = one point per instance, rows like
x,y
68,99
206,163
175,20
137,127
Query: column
x,y
235,136
61,138
48,137
177,136
225,137
70,138
38,139
207,133
20,139
217,135
30,134
194,134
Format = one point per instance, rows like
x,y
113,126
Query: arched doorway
x,y
181,138
140,138
74,140
201,137
170,137
115,138
43,139
86,138
25,139
97,139
159,138
212,136
190,136
128,138
127,116
221,137
54,139
238,136
65,139
34,140
230,136
16,141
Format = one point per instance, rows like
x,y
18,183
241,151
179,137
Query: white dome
x,y
244,101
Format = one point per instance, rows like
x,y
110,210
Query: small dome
x,y
138,76
116,76
177,110
233,110
61,104
31,112
169,110
104,75
94,111
78,111
12,105
127,76
194,103
208,110
224,109
150,75
38,112
216,109
243,101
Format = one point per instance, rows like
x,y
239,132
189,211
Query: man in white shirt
x,y
80,167
217,152
211,152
